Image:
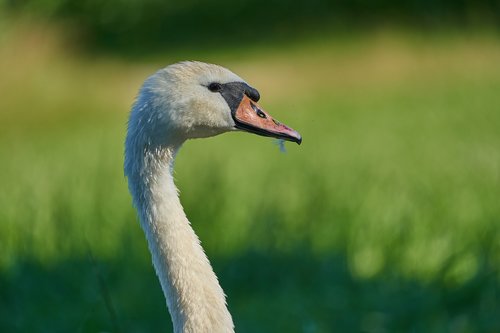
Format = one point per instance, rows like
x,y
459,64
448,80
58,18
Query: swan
x,y
182,101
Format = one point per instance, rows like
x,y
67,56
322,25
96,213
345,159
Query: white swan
x,y
184,101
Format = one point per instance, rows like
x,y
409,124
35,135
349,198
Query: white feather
x,y
174,105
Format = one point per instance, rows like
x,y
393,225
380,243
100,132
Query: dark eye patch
x,y
233,92
215,87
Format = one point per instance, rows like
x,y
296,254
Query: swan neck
x,y
195,300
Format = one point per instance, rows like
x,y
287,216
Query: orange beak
x,y
251,118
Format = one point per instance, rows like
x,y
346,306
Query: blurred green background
x,y
385,219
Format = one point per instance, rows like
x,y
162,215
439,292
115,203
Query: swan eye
x,y
215,87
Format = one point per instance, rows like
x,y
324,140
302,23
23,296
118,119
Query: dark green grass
x,y
268,292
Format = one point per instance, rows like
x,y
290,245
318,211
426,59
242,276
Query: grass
x,y
386,219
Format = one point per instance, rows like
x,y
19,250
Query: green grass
x,y
386,219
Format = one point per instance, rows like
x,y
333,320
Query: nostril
x,y
261,114
258,111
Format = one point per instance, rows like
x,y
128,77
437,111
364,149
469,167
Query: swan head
x,y
190,100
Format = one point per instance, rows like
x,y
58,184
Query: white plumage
x,y
184,101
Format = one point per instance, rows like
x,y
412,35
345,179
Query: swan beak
x,y
250,117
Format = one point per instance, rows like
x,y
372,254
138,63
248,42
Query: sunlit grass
x,y
399,170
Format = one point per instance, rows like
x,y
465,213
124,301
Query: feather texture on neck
x,y
194,297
